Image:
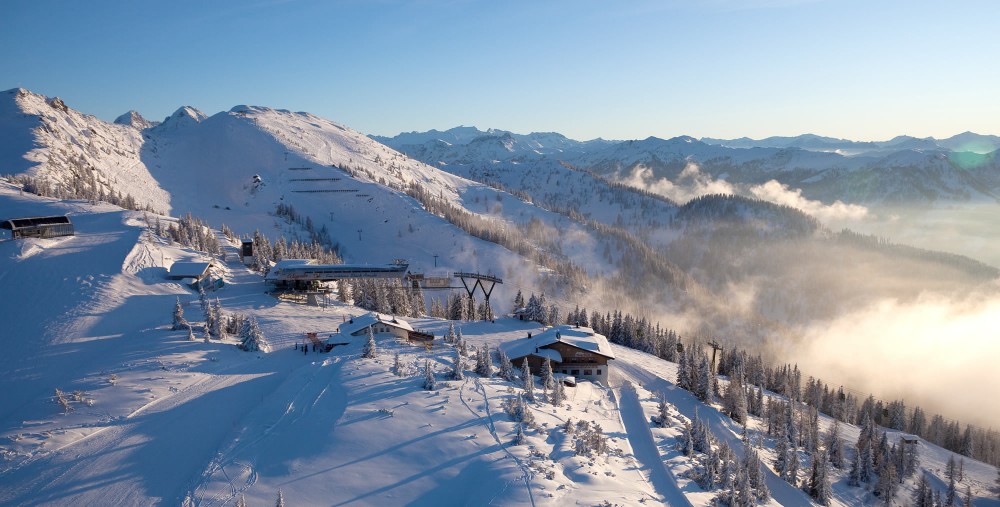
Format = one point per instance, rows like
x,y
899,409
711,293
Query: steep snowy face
x,y
72,151
183,117
135,120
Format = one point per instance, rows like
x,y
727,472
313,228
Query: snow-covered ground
x,y
156,418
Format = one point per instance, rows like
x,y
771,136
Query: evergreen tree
x,y
518,300
281,500
819,481
734,400
519,436
792,468
506,368
923,495
484,365
835,446
450,336
662,412
251,337
242,501
527,381
397,365
191,336
429,382
217,328
457,367
547,377
950,474
343,291
179,322
370,350
558,394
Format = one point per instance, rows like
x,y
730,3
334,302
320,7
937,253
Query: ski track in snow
x,y
645,450
722,426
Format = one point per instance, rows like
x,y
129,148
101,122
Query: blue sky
x,y
620,70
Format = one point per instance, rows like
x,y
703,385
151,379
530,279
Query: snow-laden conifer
x,y
558,394
371,350
457,366
506,368
179,322
429,382
527,381
547,378
251,337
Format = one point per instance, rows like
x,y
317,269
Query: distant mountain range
x,y
901,171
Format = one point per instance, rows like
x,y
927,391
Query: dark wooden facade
x,y
575,362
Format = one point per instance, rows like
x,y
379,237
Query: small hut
x,y
39,227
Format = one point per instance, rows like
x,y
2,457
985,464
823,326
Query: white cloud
x,y
779,193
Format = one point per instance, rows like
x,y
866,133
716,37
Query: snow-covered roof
x,y
358,323
583,338
181,270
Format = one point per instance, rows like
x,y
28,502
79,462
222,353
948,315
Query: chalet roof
x,y
20,223
583,338
181,270
358,323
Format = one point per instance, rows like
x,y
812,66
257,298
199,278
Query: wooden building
x,y
578,352
38,227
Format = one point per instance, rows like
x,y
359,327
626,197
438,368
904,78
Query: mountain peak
x,y
134,119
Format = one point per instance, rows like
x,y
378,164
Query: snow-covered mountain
x,y
464,145
901,171
155,418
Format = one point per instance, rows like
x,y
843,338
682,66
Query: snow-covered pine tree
x,y
457,366
506,368
686,439
527,381
819,481
887,483
703,387
241,501
835,445
429,382
682,373
397,365
370,351
547,377
251,337
450,336
950,474
484,365
191,336
519,436
734,400
281,500
343,291
179,322
460,343
518,300
218,327
923,494
792,467
662,412
558,394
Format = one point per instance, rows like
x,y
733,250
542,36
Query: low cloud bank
x,y
692,183
938,353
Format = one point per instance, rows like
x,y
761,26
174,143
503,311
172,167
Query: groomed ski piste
x,y
157,419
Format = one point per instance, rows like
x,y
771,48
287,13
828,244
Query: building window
x,y
588,372
576,372
564,371
598,372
